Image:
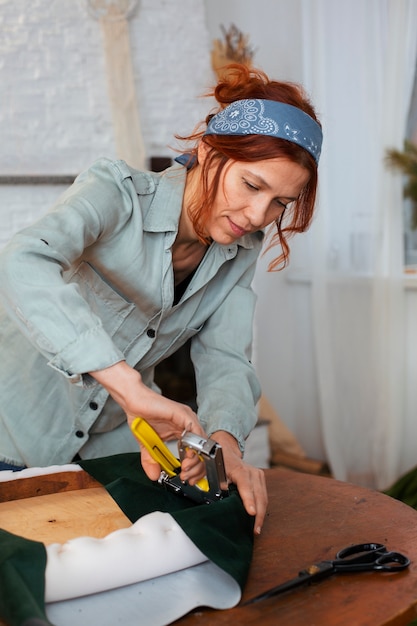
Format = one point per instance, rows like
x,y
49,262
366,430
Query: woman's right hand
x,y
167,417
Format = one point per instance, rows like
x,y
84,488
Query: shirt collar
x,y
164,212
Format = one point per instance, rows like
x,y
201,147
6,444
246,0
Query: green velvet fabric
x,y
22,581
223,531
405,488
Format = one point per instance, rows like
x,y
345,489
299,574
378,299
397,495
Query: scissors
x,y
363,557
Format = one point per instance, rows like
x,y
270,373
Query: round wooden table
x,y
311,518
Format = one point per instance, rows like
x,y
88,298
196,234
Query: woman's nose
x,y
256,213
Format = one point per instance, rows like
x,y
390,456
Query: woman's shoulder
x,y
117,171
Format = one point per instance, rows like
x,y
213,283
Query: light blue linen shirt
x,y
91,284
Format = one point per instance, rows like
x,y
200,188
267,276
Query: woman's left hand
x,y
249,480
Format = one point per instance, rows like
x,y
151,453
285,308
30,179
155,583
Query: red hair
x,y
238,83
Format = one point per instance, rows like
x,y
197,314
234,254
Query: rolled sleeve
x,y
93,350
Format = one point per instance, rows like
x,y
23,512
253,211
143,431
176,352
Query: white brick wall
x,y
55,115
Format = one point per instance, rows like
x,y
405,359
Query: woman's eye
x,y
281,204
250,186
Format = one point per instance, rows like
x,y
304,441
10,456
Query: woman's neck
x,y
187,250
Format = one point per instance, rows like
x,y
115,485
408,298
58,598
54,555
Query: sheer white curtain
x,y
359,68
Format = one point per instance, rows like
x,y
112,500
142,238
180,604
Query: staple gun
x,y
209,489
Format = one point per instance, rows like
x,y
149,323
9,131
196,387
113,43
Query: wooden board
x,y
54,508
58,517
41,485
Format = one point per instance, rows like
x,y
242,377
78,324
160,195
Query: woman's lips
x,y
237,230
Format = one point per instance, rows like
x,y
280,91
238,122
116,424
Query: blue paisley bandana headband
x,y
268,117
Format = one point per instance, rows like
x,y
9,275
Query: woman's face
x,y
252,195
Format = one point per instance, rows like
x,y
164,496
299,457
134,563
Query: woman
x,y
129,265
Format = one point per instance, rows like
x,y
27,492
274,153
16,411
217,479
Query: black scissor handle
x,y
392,562
370,556
362,551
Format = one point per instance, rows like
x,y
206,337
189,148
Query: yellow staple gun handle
x,y
159,451
155,446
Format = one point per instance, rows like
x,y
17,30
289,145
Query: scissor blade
x,y
311,574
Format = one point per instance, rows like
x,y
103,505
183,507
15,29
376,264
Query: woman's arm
x,y
170,419
228,390
167,417
50,311
249,480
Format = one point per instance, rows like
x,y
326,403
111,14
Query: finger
x,y
261,503
151,468
195,427
194,474
192,467
255,498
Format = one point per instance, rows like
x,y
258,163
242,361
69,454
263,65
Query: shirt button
x,y
93,406
79,434
151,333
